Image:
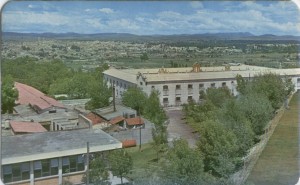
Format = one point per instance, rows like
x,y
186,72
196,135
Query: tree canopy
x,y
8,95
120,163
54,77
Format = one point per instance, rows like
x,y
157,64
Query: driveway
x,y
177,127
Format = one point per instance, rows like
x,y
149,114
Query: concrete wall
x,y
120,85
185,92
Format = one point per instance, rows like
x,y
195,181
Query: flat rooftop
x,y
38,146
108,112
206,73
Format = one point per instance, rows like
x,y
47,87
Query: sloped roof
x,y
116,120
34,97
134,121
28,127
94,118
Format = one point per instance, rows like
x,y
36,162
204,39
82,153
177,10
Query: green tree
x,y
270,85
8,95
144,57
120,163
257,109
100,94
184,165
232,116
160,139
152,108
135,98
219,146
98,173
218,95
241,84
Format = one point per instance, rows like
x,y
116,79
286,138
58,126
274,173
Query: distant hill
x,y
132,37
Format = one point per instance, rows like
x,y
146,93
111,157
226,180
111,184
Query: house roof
x,y
108,113
28,127
48,145
34,97
134,121
117,120
94,118
186,74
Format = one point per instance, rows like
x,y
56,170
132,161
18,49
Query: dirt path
x,y
279,162
177,128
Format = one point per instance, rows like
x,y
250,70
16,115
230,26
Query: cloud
x,y
255,17
106,10
196,4
31,6
96,23
123,25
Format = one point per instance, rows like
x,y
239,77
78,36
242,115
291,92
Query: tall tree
x,y
100,94
270,85
219,146
257,109
232,116
185,165
135,98
120,163
8,95
98,173
218,95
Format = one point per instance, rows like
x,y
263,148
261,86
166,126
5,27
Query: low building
x,y
37,100
51,157
109,113
22,127
136,122
178,86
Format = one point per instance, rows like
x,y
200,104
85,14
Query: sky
x,y
152,17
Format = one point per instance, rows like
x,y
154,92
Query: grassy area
x,y
279,162
143,161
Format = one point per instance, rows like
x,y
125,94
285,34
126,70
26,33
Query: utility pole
x,y
140,134
114,97
87,163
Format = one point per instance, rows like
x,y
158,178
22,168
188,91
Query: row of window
x,y
190,86
178,99
117,83
42,168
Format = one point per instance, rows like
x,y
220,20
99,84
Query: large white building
x,y
179,85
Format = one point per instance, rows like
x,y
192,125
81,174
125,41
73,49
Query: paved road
x,y
177,128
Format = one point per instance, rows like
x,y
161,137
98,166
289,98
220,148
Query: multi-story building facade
x,y
178,86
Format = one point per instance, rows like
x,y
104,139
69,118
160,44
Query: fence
x,y
250,160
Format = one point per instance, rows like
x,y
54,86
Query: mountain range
x,y
133,37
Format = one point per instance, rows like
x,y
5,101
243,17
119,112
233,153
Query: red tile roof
x,y
117,120
94,118
134,121
28,127
34,97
